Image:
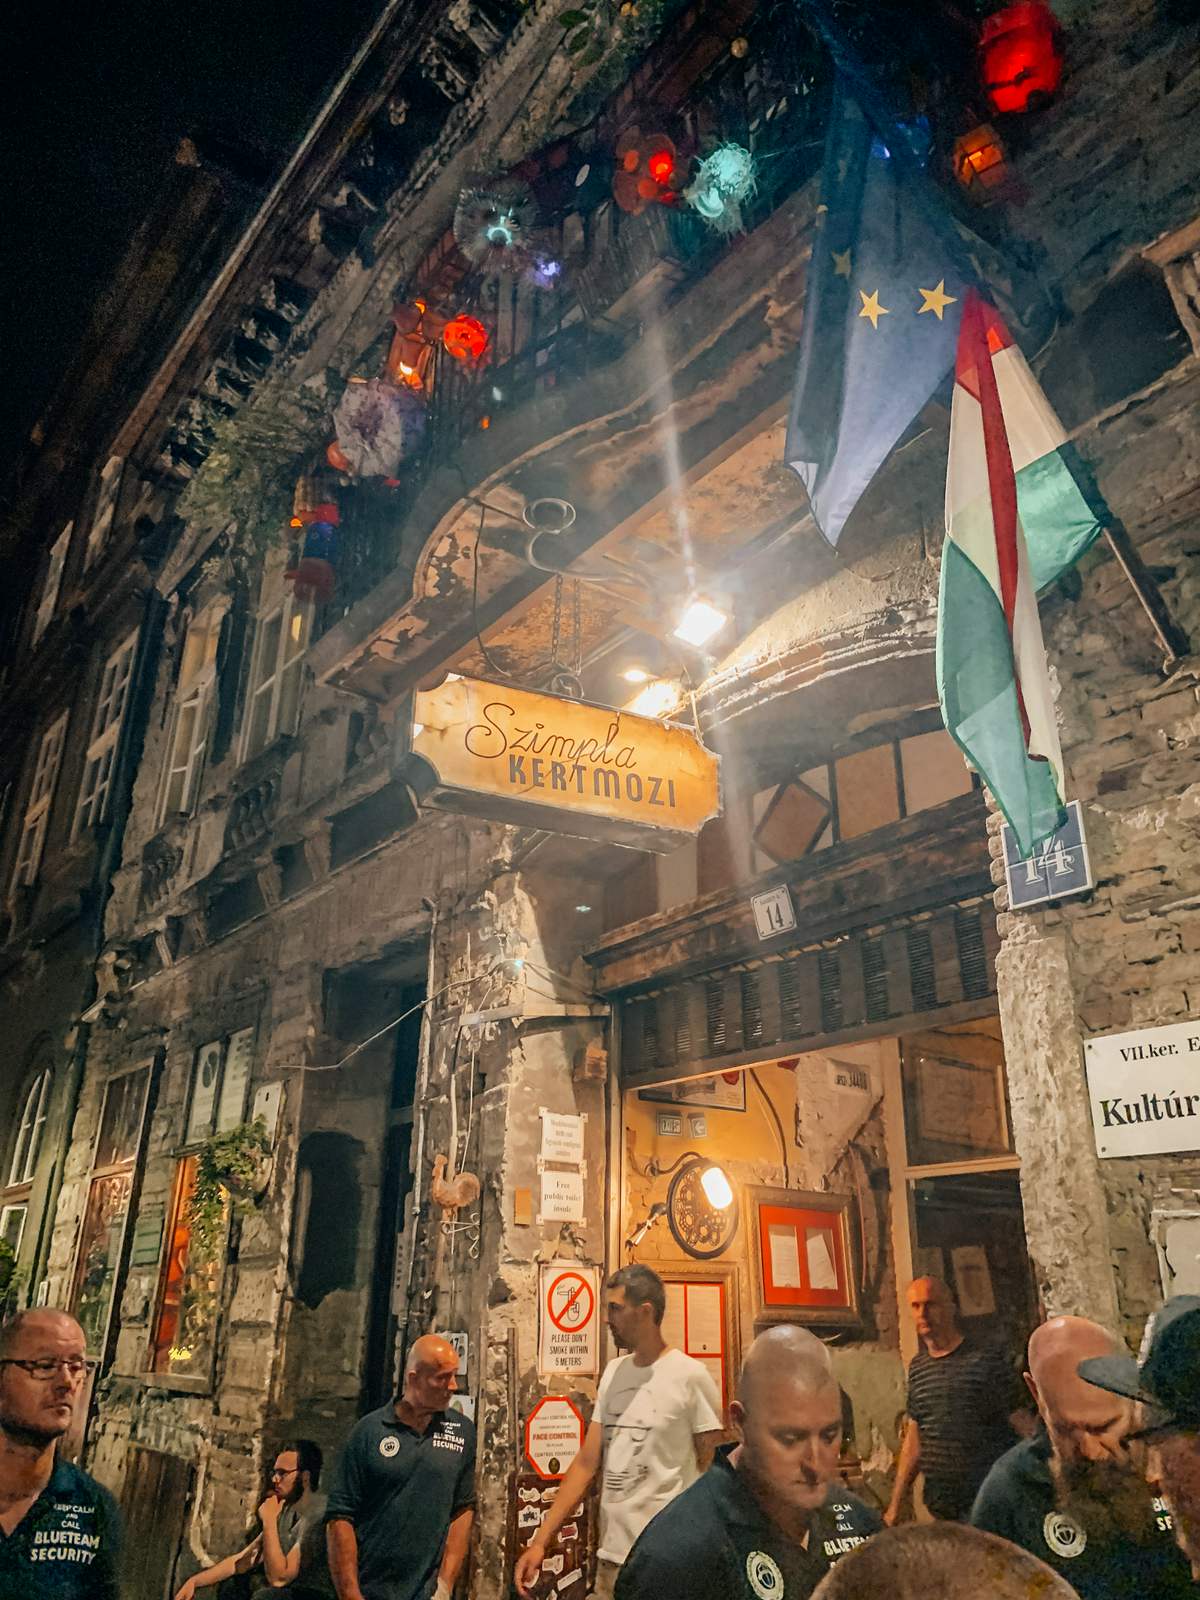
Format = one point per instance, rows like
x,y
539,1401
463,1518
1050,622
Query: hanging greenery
x,y
229,1167
250,471
603,39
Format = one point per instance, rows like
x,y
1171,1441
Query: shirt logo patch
x,y
1063,1537
389,1445
764,1576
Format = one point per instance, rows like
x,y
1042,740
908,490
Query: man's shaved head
x,y
790,1353
940,1561
1094,1481
26,1326
430,1350
430,1375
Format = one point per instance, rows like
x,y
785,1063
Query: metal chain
x,y
578,628
556,633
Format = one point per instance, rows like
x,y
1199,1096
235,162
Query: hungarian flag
x,y
1016,519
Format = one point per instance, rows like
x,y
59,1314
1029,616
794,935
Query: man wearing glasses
x,y
59,1530
280,1552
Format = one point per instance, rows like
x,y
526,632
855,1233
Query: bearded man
x,y
1073,1495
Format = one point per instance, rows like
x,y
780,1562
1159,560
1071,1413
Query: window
x,y
185,1327
192,715
92,806
857,794
52,583
220,1080
106,505
276,674
28,1142
104,1220
37,807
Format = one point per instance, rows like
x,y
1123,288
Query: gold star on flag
x,y
871,307
936,300
841,263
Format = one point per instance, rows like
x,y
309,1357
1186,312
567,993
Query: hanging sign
x,y
545,761
1144,1088
553,1435
569,1319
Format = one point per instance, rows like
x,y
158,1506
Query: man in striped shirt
x,y
964,1410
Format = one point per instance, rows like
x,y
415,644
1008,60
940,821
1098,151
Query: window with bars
x,y
191,716
276,674
52,583
92,806
106,505
37,807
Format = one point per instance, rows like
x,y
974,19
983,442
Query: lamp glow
x,y
718,1191
636,675
700,623
657,699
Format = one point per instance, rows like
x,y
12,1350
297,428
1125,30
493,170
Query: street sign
x,y
568,1319
1058,867
553,1435
774,912
1144,1088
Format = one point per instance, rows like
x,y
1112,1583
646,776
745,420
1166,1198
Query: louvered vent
x,y
829,978
753,1032
875,979
791,1010
714,1005
920,968
972,954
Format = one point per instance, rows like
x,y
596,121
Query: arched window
x,y
30,1127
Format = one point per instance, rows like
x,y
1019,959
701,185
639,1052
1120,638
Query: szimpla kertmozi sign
x,y
1144,1088
566,765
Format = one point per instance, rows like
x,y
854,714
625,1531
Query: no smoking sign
x,y
567,1319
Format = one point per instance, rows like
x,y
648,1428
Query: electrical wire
x,y
333,1066
770,1105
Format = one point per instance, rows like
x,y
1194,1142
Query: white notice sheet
x,y
785,1255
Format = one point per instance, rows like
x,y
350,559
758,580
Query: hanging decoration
x,y
417,330
1020,56
315,520
494,224
377,426
337,460
723,180
981,164
647,171
465,338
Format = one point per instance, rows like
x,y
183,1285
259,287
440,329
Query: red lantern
x,y
465,338
1020,56
661,166
646,170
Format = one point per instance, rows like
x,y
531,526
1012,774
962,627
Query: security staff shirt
x,y
714,1542
67,1545
1017,1501
401,1490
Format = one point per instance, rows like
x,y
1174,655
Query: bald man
x,y
1071,1495
964,1409
941,1561
398,1521
769,1517
59,1529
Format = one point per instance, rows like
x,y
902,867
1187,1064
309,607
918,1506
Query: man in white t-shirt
x,y
656,1423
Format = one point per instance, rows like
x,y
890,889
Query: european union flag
x,y
885,293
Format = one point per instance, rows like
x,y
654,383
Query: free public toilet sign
x,y
542,760
1144,1088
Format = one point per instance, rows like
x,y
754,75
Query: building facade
x,y
342,1003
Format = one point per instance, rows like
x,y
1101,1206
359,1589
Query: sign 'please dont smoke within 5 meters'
x,y
542,760
1144,1088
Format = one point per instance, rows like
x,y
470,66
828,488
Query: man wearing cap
x,y
1072,1495
769,1517
1167,1383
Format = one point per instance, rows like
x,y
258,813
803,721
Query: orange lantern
x,y
465,338
980,162
336,459
1020,56
647,170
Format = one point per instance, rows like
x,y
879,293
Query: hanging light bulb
x,y
718,1190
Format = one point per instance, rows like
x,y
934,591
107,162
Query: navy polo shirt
x,y
714,1542
67,1545
1017,1501
401,1490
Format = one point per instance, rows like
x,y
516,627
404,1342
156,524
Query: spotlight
x,y
657,699
700,622
636,675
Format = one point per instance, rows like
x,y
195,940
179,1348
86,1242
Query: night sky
x,y
96,99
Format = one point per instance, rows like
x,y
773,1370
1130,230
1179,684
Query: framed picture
x,y
724,1091
804,1267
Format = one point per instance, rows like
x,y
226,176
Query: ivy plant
x,y
227,1168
